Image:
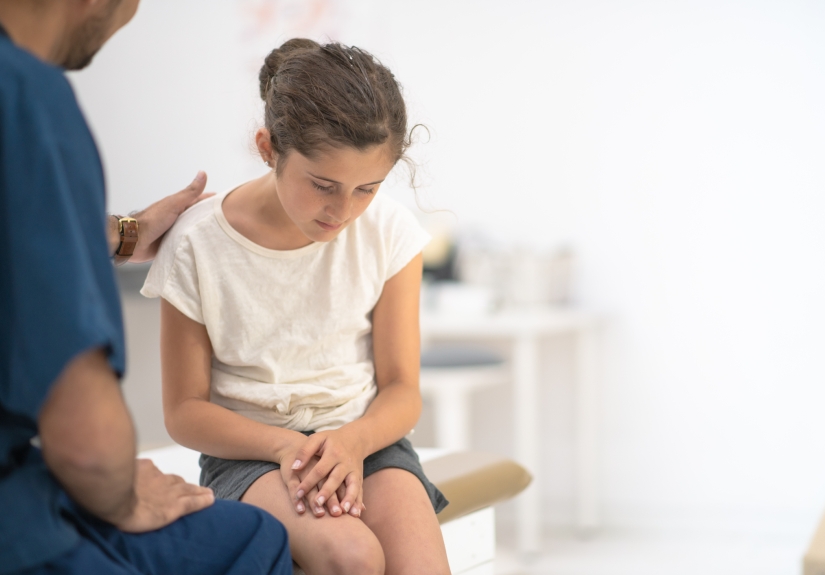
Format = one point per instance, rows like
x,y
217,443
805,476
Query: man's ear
x,y
264,144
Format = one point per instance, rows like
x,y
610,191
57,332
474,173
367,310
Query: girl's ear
x,y
264,144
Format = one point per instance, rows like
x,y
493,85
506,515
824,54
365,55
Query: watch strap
x,y
128,230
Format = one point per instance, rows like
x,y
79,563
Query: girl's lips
x,y
328,227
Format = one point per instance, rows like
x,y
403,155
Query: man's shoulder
x,y
27,79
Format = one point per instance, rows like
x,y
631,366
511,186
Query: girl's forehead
x,y
347,161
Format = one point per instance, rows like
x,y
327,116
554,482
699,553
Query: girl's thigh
x,y
400,514
320,545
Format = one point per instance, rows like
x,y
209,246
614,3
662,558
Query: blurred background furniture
x,y
471,481
814,561
449,375
524,328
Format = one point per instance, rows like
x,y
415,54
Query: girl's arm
x,y
396,408
192,421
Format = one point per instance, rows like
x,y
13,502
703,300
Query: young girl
x,y
289,336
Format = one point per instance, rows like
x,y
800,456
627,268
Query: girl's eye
x,y
366,190
322,188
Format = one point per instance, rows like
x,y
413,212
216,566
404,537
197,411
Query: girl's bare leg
x,y
325,545
399,513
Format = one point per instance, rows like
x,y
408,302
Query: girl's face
x,y
323,195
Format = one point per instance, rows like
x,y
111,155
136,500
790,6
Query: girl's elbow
x,y
174,425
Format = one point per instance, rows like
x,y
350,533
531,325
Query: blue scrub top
x,y
58,295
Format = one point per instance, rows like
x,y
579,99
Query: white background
x,y
676,146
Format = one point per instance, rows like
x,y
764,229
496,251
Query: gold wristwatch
x,y
128,230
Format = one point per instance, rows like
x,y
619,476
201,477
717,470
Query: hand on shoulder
x,y
155,221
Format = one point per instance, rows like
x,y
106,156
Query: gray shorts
x,y
230,478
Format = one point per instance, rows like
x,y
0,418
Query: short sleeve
x,y
58,291
405,237
174,276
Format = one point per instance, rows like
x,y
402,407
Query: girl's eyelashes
x,y
322,188
329,189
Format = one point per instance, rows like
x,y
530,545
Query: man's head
x,y
67,33
90,25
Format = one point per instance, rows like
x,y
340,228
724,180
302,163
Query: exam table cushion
x,y
473,480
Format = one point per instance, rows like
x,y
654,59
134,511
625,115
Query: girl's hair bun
x,y
277,57
321,96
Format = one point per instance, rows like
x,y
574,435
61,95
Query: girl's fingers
x,y
315,475
307,450
330,484
351,502
333,506
297,490
358,507
317,510
292,482
341,493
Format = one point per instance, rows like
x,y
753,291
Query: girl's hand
x,y
340,464
293,478
332,505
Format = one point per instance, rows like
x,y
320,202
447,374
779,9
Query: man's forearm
x,y
88,438
112,233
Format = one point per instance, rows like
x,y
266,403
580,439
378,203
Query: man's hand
x,y
161,499
155,220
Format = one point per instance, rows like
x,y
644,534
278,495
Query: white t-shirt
x,y
291,331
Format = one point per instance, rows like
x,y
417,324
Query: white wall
x,y
677,145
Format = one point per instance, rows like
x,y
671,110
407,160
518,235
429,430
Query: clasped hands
x,y
325,473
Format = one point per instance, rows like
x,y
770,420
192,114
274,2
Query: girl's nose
x,y
340,208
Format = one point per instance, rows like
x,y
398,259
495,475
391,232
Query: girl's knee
x,y
356,556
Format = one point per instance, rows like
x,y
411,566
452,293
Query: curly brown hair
x,y
326,95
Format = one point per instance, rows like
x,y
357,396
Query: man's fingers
x,y
197,186
195,502
190,195
147,466
184,489
200,198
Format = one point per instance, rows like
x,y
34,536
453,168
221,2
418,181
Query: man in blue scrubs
x,y
73,498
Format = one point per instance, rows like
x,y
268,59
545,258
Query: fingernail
x,y
300,507
356,512
201,176
296,464
299,494
346,506
336,509
321,500
319,510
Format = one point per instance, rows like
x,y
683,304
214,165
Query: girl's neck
x,y
255,211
